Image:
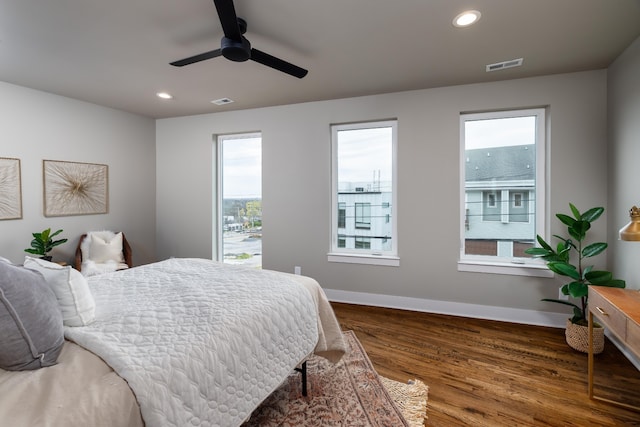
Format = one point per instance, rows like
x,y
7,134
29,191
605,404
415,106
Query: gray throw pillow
x,y
31,330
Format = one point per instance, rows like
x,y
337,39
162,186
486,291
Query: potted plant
x,y
43,242
581,276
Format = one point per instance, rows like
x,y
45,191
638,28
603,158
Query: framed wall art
x,y
10,189
72,188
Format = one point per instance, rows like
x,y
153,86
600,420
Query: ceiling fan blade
x,y
277,63
197,58
228,19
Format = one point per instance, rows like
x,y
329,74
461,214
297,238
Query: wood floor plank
x,y
489,373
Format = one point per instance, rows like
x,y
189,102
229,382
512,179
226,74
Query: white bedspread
x,y
200,343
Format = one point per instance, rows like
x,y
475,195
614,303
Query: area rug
x,y
349,393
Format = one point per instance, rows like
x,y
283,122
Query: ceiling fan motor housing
x,y
234,50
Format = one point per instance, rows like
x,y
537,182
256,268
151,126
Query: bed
x,y
181,342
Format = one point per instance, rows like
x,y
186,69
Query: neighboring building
x,y
364,217
499,200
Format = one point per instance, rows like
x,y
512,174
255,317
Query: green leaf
x,y
561,247
617,283
560,301
57,242
598,277
564,269
55,234
566,219
578,289
538,252
579,229
565,289
543,243
592,214
575,211
594,249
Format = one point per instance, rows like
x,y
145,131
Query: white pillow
x,y
72,291
102,246
90,268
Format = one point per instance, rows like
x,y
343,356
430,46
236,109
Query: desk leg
x,y
590,355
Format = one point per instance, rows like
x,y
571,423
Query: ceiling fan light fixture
x,y
466,18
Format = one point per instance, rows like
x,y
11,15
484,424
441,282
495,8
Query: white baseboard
x,y
514,315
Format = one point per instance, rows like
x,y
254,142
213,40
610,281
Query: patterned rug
x,y
349,393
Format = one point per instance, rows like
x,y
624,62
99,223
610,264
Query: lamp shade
x,y
631,231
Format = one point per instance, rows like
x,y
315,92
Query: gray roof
x,y
501,163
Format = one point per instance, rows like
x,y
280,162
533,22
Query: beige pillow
x,y
71,288
104,246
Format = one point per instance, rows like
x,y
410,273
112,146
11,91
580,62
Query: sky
x,y
242,167
500,132
358,144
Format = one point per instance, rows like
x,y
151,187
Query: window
x,y
491,197
517,200
503,184
342,215
363,226
363,242
363,216
239,161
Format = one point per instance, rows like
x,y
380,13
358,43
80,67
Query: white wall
x,y
624,142
297,183
37,125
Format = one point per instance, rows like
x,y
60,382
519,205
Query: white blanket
x,y
200,343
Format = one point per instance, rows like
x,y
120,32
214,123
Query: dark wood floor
x,y
487,373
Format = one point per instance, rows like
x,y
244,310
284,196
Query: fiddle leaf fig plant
x,y
569,257
43,242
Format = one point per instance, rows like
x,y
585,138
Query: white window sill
x,y
384,260
514,269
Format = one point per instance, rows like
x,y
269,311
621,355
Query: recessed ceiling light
x,y
164,95
466,18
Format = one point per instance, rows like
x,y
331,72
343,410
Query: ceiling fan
x,y
235,47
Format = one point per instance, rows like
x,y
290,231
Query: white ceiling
x,y
117,52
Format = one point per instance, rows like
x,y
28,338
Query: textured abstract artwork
x,y
72,188
10,189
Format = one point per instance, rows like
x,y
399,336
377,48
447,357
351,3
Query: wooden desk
x,y
619,311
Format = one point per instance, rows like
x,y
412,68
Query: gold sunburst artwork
x,y
73,188
10,189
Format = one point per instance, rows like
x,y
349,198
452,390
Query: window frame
x,y
218,140
363,216
360,256
509,265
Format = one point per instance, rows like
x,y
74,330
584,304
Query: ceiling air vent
x,y
504,64
222,101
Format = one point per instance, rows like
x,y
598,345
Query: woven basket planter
x,y
578,337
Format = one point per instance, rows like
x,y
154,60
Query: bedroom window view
x,y
240,190
503,167
363,183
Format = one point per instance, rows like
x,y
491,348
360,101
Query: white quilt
x,y
200,343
